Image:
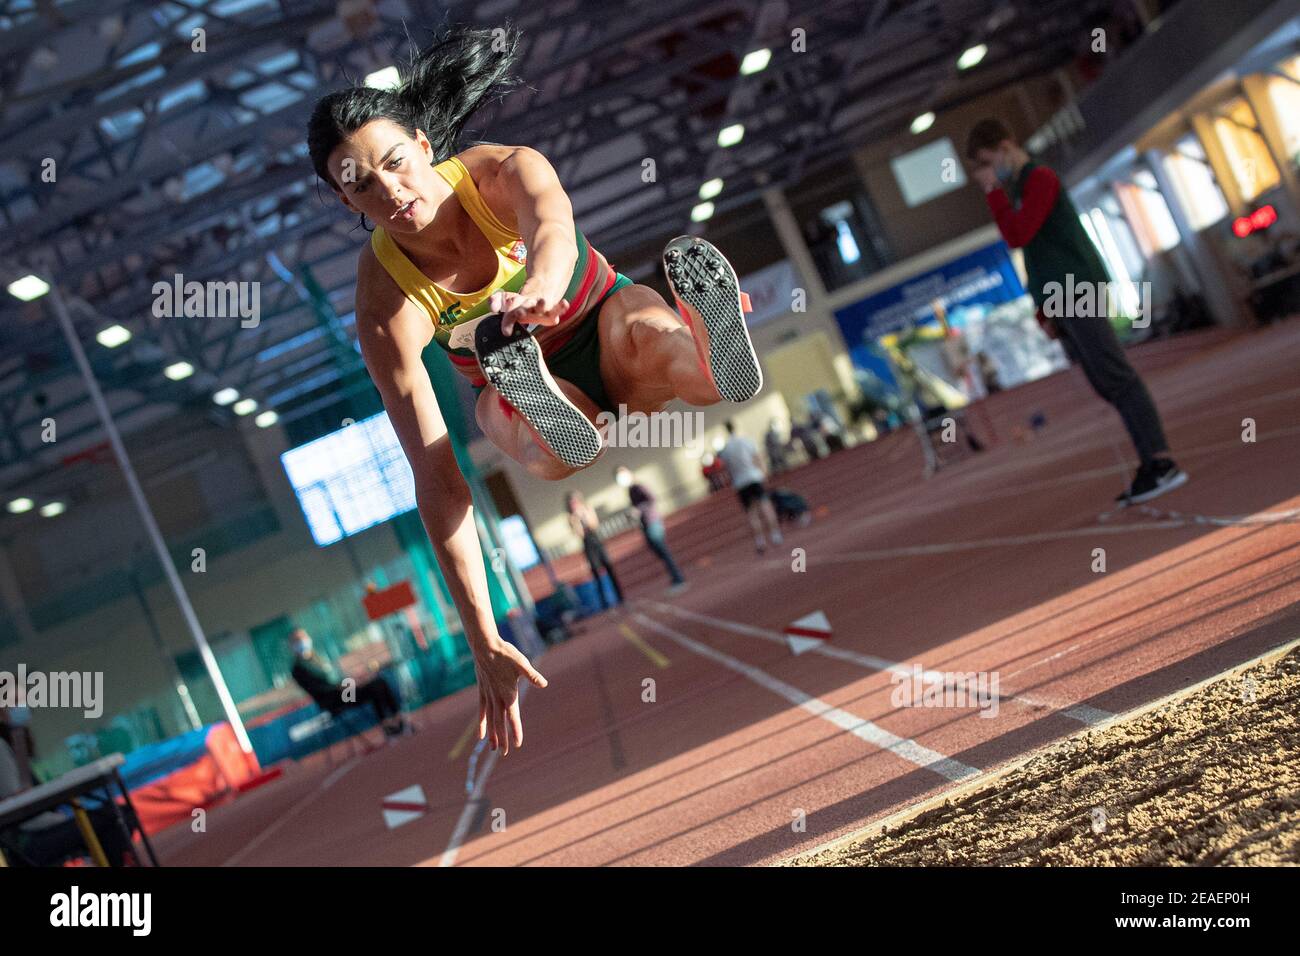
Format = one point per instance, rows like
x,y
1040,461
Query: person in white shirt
x,y
746,470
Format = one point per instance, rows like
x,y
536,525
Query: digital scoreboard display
x,y
351,479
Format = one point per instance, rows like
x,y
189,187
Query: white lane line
x,y
475,797
262,837
470,809
1085,714
1172,521
991,472
1046,660
986,496
859,727
949,547
1080,712
1291,516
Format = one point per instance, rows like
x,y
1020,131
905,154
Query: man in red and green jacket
x,y
1034,212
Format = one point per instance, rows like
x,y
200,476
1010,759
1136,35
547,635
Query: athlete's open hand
x,y
531,305
498,669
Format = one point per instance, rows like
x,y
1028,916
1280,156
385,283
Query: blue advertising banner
x,y
984,276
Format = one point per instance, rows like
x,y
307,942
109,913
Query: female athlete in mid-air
x,y
477,251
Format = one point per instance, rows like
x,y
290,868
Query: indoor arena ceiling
x,y
170,161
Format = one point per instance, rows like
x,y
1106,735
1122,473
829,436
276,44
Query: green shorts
x,y
578,359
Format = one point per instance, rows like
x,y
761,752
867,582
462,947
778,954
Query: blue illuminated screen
x,y
351,479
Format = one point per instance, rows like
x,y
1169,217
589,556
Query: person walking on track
x,y
652,524
585,524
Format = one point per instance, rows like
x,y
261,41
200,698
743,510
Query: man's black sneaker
x,y
1153,480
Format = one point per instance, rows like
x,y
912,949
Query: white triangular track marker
x,y
808,632
800,644
404,806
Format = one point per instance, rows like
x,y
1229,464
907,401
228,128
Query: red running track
x,y
986,567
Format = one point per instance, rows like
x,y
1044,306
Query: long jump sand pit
x,y
1207,777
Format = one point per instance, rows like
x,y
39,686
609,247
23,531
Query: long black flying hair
x,y
444,84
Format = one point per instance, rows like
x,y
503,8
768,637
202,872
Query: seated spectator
x,y
318,678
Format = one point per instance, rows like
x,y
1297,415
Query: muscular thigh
x,y
631,306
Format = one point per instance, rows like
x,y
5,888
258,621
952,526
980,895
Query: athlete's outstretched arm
x,y
393,335
527,185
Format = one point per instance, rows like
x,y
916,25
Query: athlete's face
x,y
383,173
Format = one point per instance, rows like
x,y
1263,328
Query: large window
x,y
1147,213
1193,179
840,226
351,479
1110,233
1248,157
1118,239
930,171
1284,94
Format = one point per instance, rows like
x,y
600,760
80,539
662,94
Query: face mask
x,y
20,716
302,648
1004,172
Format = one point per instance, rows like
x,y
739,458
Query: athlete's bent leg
x,y
511,433
648,355
699,351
